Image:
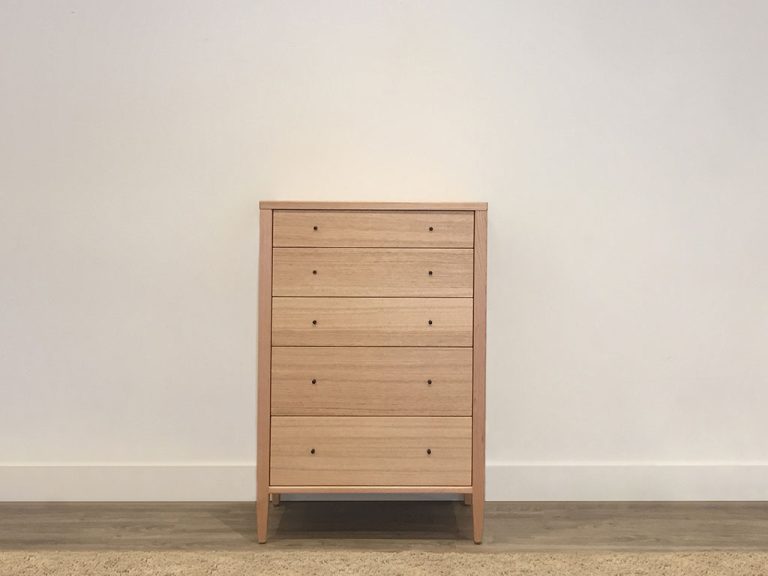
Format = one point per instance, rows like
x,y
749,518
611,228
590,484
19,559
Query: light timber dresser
x,y
371,373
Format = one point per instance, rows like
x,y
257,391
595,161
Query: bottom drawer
x,y
371,451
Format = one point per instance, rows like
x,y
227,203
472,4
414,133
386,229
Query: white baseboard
x,y
128,482
628,481
505,481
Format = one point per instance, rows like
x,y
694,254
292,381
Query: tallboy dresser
x,y
371,373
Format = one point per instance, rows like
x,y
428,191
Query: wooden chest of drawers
x,y
371,371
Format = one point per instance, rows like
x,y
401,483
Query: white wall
x,y
622,147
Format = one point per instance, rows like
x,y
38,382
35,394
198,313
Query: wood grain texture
x,y
361,450
373,229
326,489
372,381
264,372
398,206
372,272
372,321
478,386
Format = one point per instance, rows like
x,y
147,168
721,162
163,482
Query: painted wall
x,y
621,146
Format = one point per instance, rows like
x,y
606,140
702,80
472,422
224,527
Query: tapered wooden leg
x,y
467,499
276,499
262,516
478,506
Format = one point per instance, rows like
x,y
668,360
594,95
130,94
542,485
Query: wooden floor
x,y
510,526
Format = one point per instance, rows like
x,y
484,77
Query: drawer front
x,y
372,272
371,451
372,381
373,229
371,321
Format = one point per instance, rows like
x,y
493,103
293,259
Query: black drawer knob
x,y
314,271
430,272
314,228
430,228
314,322
429,451
429,381
430,322
312,451
314,380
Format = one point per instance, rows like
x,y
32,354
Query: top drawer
x,y
384,229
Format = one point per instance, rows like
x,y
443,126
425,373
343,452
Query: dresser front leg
x,y
262,516
276,499
467,499
478,505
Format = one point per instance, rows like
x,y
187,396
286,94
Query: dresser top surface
x,y
294,205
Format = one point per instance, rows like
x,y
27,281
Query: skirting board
x,y
534,481
628,481
127,482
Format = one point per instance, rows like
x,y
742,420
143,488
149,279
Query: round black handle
x,y
314,271
430,322
312,451
430,228
429,381
429,451
314,227
430,272
314,322
314,380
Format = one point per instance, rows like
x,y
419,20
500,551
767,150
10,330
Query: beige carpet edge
x,y
410,563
